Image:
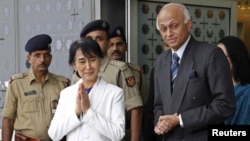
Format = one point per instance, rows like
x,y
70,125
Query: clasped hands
x,y
166,123
82,100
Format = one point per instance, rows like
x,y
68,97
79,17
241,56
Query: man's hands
x,y
82,100
166,123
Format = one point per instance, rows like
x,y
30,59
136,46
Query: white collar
x,y
180,51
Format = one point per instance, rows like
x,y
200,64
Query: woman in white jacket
x,y
91,109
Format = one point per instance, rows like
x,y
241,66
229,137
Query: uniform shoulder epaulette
x,y
17,76
121,65
62,78
134,67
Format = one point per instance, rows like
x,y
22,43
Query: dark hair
x,y
239,56
88,46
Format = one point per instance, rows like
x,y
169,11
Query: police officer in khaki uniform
x,y
118,73
32,97
117,51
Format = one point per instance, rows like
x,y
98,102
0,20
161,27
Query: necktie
x,y
174,67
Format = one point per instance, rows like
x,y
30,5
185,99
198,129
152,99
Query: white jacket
x,y
104,121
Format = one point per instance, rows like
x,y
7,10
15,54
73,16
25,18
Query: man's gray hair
x,y
186,13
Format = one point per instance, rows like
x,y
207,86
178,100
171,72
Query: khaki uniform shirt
x,y
74,78
31,104
118,73
140,80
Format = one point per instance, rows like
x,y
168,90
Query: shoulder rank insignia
x,y
134,67
130,81
17,76
120,64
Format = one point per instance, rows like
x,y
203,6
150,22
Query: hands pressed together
x,y
166,123
82,100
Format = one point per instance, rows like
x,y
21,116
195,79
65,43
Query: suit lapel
x,y
166,85
182,78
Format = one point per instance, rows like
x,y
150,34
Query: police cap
x,y
38,42
117,31
95,25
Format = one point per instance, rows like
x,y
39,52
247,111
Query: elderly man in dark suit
x,y
200,92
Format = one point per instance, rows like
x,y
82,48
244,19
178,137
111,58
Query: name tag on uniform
x,y
32,92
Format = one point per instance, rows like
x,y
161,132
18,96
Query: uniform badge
x,y
130,81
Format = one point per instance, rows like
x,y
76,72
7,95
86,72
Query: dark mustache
x,y
42,64
116,51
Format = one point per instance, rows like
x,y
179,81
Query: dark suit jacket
x,y
203,92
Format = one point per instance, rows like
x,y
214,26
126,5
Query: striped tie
x,y
174,67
